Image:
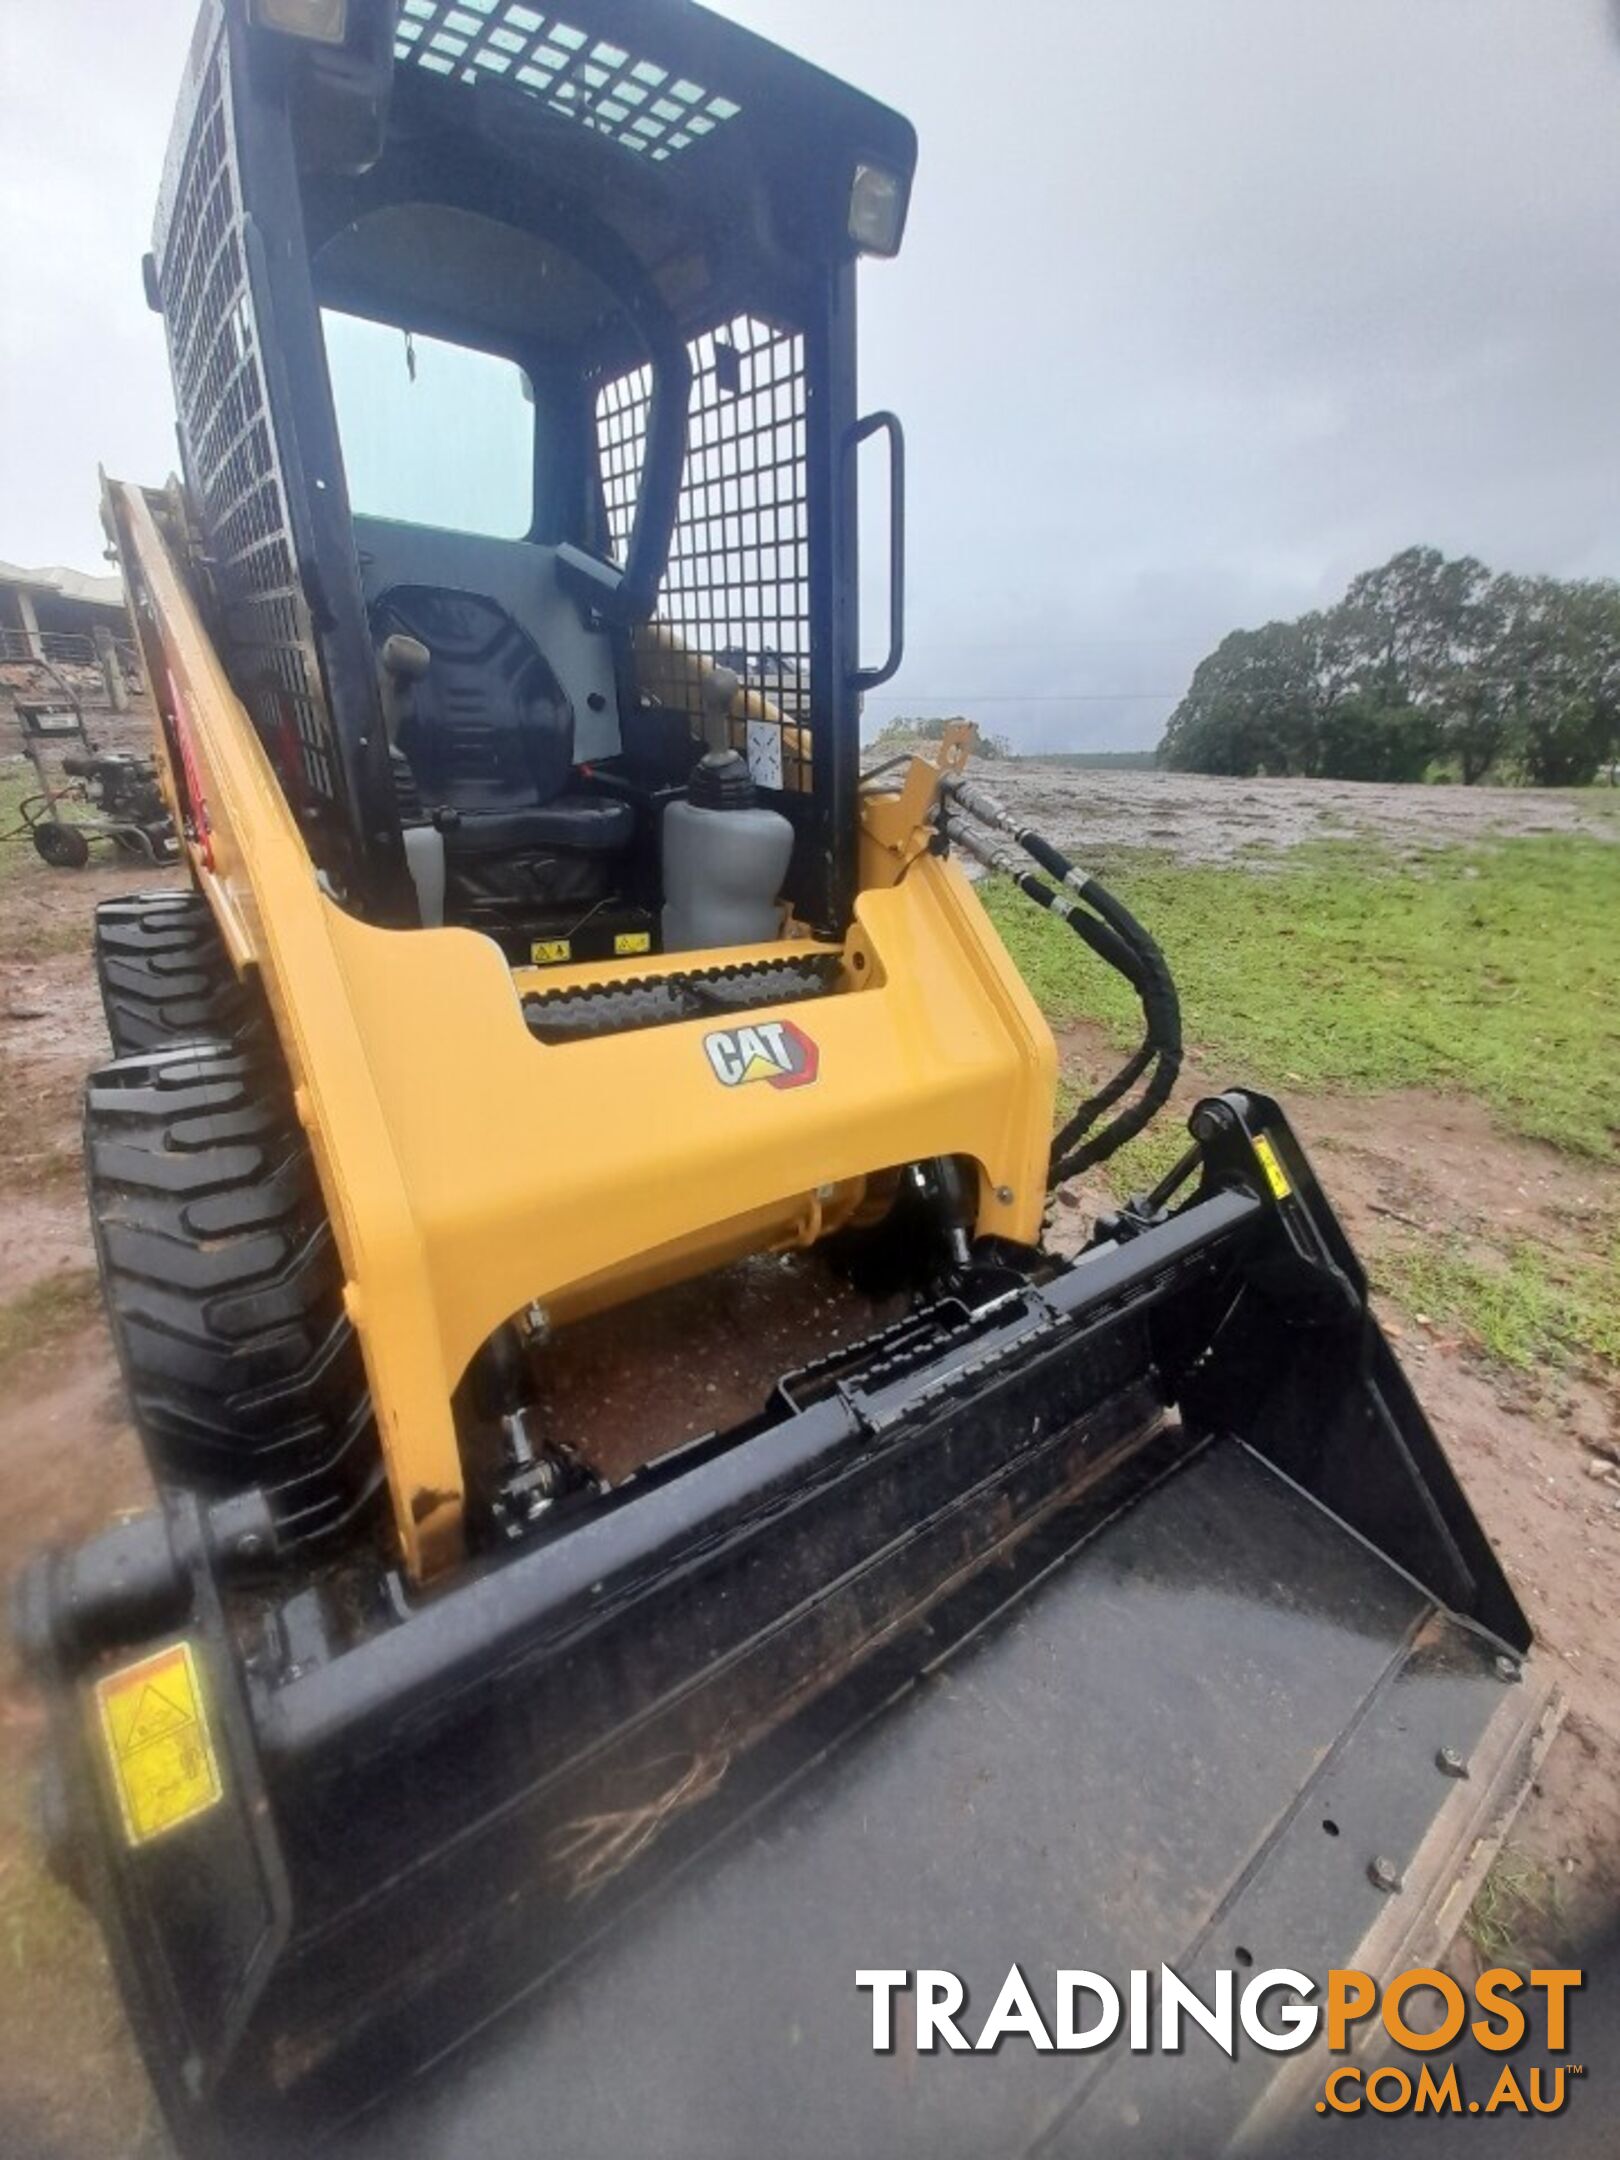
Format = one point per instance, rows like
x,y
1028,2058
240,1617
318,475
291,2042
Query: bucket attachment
x,y
1100,1612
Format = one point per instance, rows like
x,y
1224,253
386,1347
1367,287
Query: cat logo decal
x,y
774,1051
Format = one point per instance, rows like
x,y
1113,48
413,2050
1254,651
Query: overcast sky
x,y
1205,305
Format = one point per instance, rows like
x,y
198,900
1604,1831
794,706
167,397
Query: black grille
x,y
737,587
228,440
621,1008
654,111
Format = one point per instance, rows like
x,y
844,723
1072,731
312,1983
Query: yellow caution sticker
x,y
154,1726
546,952
1266,1156
632,941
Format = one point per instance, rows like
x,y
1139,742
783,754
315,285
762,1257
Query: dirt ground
x,y
1202,820
1540,1457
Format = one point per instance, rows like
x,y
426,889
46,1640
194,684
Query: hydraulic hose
x,y
1113,933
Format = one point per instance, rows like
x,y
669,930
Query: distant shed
x,y
39,606
58,624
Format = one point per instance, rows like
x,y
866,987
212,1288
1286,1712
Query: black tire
x,y
223,1288
165,977
64,847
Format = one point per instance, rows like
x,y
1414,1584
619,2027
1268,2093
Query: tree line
x,y
900,733
1430,666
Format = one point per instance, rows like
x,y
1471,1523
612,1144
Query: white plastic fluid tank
x,y
725,859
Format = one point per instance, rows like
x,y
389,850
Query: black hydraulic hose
x,y
1161,1009
1104,942
1119,955
1155,980
1105,1098
1123,1128
1115,935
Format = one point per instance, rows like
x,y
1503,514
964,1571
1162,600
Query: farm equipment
x,y
544,946
118,797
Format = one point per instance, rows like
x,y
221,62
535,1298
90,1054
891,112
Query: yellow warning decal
x,y
161,1754
632,941
546,952
1266,1156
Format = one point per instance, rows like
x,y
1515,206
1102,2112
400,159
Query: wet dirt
x,y
1197,819
680,1365
704,1357
69,2080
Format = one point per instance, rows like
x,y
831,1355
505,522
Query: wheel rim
x,y
62,846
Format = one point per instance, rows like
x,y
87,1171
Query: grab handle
x,y
887,423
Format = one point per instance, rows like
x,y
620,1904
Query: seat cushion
x,y
589,824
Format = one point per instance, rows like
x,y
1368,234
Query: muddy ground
x,y
1202,820
1540,1457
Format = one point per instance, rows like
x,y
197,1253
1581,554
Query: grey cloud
x,y
1205,305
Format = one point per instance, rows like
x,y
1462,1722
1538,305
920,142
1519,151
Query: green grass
x,y
16,782
1525,1306
28,939
1140,1164
1519,1911
56,1306
1490,970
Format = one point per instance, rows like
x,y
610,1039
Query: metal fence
x,y
63,648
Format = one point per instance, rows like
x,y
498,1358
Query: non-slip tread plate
x,y
557,1016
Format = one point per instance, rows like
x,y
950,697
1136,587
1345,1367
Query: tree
x,y
1413,615
1467,694
1250,707
1423,629
1426,657
1560,655
902,732
1306,698
1365,739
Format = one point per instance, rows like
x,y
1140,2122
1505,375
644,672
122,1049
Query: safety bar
x,y
887,423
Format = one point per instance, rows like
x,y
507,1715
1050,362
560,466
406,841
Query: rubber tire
x,y
64,847
165,977
223,1287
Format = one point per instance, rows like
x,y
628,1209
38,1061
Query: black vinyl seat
x,y
488,733
594,824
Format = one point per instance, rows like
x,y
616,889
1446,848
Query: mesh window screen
x,y
230,447
655,111
737,587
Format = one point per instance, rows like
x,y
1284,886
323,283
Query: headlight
x,y
322,21
877,210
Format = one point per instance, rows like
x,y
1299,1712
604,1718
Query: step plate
x,y
618,1008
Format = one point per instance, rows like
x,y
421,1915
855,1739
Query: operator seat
x,y
479,719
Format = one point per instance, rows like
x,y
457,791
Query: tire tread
x,y
223,1286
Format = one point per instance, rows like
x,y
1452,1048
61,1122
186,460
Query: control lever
x,y
720,686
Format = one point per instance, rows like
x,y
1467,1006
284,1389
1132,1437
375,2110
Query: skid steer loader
x,y
544,946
